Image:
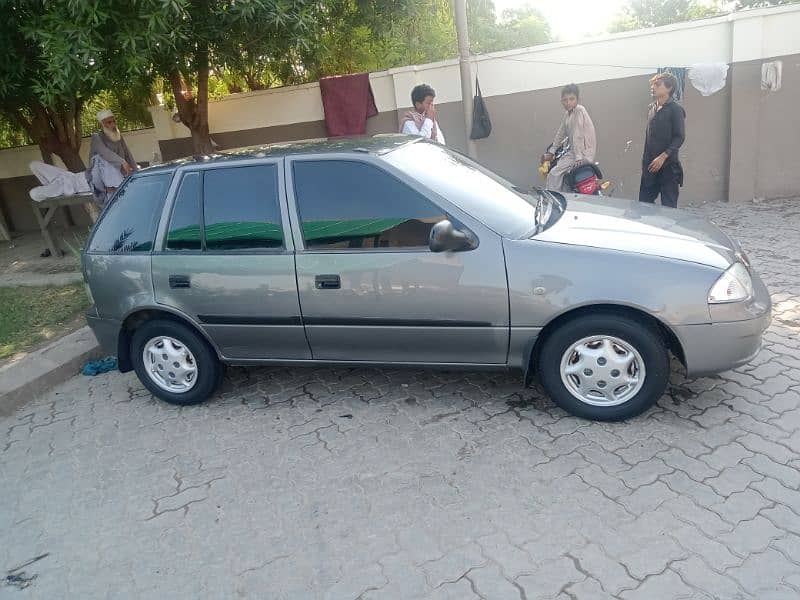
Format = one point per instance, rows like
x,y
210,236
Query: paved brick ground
x,y
402,484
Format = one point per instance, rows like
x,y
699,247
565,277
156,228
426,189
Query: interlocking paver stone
x,y
778,492
733,479
666,584
385,484
741,506
726,456
651,556
763,465
694,468
695,572
789,546
751,536
595,561
764,572
710,550
758,445
588,589
647,498
490,583
551,578
784,518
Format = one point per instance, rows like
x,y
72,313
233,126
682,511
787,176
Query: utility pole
x,y
466,76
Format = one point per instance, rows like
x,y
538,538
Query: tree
x,y
523,27
243,35
371,35
741,4
60,53
640,14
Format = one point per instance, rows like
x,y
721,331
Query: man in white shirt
x,y
422,120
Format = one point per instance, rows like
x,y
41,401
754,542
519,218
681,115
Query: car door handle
x,y
179,281
327,282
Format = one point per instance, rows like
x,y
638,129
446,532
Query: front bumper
x,y
732,339
106,331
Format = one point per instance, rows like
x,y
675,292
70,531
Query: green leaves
x,y
639,14
74,48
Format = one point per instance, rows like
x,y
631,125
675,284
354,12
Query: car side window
x,y
129,224
184,226
240,208
350,204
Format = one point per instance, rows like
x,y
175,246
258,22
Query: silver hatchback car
x,y
397,251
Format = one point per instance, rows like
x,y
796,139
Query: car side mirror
x,y
446,238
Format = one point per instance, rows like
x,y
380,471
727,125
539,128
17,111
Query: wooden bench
x,y
46,209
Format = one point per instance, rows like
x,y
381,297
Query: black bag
x,y
481,123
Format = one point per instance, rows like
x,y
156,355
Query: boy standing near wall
x,y
422,120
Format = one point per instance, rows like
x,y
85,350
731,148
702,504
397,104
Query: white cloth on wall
x,y
708,78
56,182
771,75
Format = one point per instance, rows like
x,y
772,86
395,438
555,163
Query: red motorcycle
x,y
585,178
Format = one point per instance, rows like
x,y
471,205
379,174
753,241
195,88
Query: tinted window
x,y
129,224
357,205
184,226
481,193
240,206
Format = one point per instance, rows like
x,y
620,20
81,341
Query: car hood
x,y
632,226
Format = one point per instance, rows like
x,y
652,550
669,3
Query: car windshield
x,y
503,207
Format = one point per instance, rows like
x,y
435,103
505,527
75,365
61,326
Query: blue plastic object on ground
x,y
95,367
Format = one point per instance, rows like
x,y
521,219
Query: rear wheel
x,y
174,362
604,367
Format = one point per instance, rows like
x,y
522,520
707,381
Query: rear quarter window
x,y
129,224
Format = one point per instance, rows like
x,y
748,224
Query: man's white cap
x,y
104,114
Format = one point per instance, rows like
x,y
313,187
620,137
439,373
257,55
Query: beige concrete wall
x,y
764,130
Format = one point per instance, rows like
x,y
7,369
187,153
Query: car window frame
x,y
448,209
115,198
180,178
172,196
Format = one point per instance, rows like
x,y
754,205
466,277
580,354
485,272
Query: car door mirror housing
x,y
446,238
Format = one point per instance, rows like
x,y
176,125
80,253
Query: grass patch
x,y
30,315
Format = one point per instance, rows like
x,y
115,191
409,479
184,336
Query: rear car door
x,y
370,287
224,260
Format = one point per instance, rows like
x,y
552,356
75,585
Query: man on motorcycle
x,y
577,130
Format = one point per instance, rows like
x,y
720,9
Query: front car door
x,y
370,287
224,260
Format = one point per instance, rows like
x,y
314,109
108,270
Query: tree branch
x,y
185,108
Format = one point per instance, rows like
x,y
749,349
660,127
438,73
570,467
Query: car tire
x,y
175,363
604,367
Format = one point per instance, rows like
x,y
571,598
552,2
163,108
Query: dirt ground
x,y
22,253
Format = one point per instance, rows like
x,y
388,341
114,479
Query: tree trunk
x,y
70,157
201,140
47,156
193,111
56,132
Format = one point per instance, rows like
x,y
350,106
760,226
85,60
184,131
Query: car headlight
x,y
734,285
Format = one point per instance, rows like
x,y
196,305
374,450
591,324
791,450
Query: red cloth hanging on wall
x,y
348,102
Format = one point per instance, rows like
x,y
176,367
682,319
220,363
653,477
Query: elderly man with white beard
x,y
110,159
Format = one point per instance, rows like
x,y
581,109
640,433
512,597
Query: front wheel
x,y
174,362
604,367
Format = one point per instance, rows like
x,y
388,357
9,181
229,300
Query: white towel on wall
x,y
708,78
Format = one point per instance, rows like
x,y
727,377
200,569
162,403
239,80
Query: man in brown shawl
x,y
577,130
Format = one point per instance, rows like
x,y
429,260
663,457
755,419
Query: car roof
x,y
378,144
